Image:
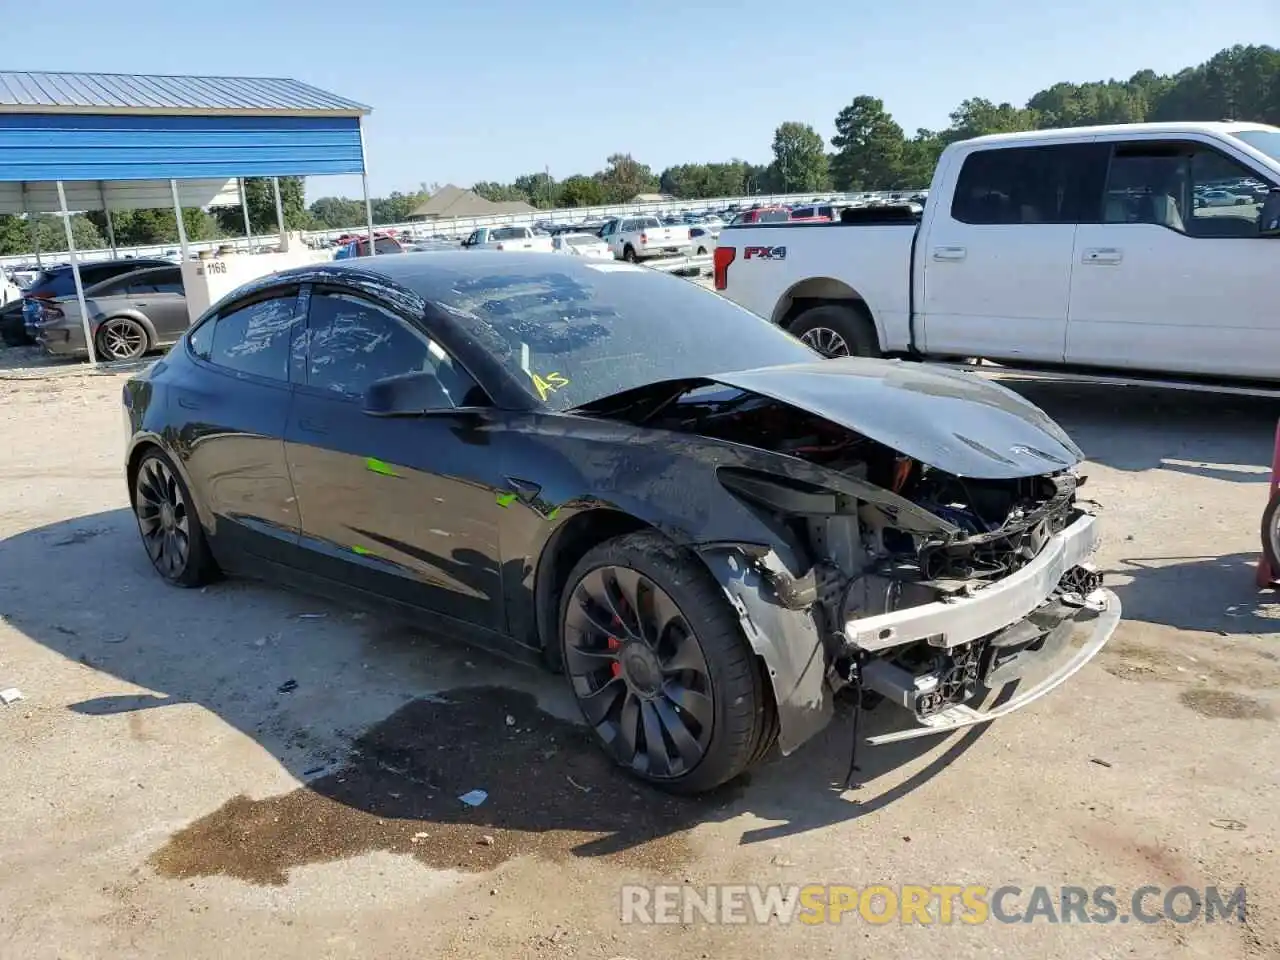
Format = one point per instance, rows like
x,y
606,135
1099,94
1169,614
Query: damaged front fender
x,y
782,632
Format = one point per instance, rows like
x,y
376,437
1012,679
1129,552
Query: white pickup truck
x,y
507,238
1096,248
642,238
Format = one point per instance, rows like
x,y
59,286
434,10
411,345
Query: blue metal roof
x,y
118,93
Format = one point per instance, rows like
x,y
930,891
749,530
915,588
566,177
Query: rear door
x,y
235,415
159,295
403,507
997,263
1171,277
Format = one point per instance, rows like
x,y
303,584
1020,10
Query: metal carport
x,y
93,141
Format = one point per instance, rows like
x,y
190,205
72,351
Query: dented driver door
x,y
404,507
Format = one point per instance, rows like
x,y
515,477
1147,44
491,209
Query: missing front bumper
x,y
901,688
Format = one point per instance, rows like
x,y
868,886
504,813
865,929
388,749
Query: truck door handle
x,y
312,426
1102,255
949,253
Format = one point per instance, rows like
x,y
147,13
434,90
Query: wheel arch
x,y
813,292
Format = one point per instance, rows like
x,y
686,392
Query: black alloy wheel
x,y
171,531
638,672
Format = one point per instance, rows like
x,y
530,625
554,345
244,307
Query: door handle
x,y
1102,255
312,426
949,253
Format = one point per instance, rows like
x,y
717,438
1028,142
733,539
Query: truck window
x,y
1030,185
1187,187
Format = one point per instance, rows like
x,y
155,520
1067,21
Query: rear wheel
x,y
122,338
658,664
171,531
837,331
629,254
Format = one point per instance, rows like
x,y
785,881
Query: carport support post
x,y
111,229
275,187
182,226
244,208
75,274
364,180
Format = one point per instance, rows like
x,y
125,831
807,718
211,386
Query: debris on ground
x,y
11,695
473,798
287,687
486,841
577,784
1226,823
312,616
511,721
1099,761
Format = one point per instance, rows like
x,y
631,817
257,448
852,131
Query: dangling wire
x,y
855,679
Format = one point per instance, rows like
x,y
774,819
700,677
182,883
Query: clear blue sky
x,y
468,90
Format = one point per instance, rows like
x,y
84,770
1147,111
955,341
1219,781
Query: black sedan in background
x,y
588,463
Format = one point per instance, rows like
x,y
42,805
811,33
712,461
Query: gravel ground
x,y
244,771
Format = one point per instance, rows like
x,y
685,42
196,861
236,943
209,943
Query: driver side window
x,y
352,342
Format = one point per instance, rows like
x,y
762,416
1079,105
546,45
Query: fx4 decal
x,y
764,253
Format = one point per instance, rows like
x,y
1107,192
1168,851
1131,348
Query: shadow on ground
x,y
1207,594
1139,428
387,727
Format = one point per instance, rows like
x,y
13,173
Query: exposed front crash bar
x,y
964,619
958,715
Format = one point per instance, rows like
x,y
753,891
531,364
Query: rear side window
x,y
255,339
1031,185
774,216
508,233
201,339
386,245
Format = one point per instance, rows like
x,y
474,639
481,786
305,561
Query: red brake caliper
x,y
614,644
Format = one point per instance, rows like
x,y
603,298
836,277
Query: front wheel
x,y
658,664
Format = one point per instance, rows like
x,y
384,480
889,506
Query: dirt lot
x,y
242,771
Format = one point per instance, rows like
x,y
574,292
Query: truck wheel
x,y
837,331
657,661
629,254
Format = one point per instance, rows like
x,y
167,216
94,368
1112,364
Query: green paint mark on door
x,y
380,466
363,551
505,499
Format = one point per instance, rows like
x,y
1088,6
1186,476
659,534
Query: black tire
x,y
629,254
157,479
851,326
1271,535
743,726
116,330
702,251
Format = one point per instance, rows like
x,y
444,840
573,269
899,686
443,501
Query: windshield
x,y
578,335
1265,141
647,223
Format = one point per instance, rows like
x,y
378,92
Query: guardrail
x,y
454,226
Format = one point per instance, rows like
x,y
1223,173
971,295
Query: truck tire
x,y
837,331
629,254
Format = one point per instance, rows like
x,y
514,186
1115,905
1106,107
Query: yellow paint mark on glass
x,y
504,499
548,384
375,465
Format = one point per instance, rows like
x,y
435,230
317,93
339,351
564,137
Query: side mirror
x,y
406,395
1269,215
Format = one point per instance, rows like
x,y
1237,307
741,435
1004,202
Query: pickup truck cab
x,y
1090,247
507,238
642,238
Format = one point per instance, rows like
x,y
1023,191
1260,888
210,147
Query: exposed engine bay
x,y
868,557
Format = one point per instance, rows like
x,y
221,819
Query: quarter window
x,y
1031,185
255,339
352,343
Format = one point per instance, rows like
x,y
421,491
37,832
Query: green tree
x,y
497,192
395,208
580,191
623,177
799,160
335,213
261,201
869,146
538,189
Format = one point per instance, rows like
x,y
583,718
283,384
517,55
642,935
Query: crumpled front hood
x,y
954,421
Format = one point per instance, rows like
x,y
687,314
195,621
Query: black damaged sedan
x,y
709,529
